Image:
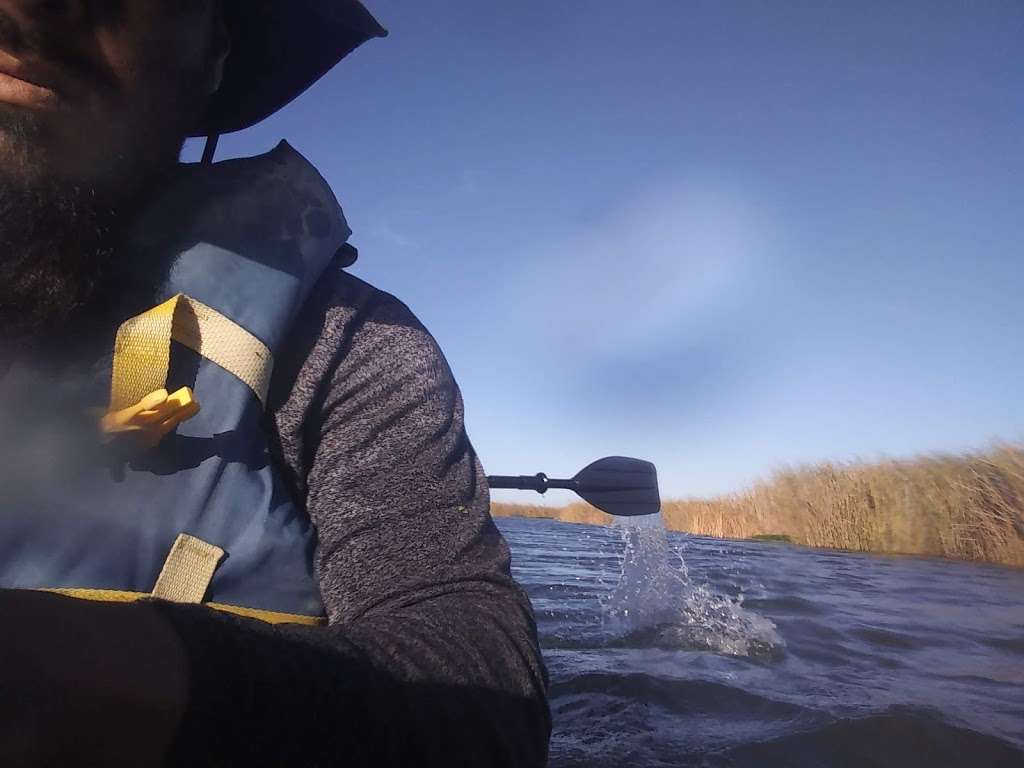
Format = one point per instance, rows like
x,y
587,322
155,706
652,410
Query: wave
x,y
1012,644
787,604
900,737
703,698
603,735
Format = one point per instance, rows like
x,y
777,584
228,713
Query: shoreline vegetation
x,y
967,507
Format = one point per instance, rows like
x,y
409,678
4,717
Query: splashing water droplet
x,y
656,602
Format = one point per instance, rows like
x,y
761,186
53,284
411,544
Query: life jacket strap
x,y
188,570
142,349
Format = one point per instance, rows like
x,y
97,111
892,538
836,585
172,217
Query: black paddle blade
x,y
620,486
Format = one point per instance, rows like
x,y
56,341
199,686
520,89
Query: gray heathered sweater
x,y
431,654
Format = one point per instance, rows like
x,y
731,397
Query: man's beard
x,y
56,250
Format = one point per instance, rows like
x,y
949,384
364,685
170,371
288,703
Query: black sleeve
x,y
431,655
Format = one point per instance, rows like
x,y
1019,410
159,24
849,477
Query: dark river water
x,y
684,650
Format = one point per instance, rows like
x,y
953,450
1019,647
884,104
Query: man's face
x,y
100,93
96,97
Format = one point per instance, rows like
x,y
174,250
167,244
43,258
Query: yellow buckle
x,y
152,417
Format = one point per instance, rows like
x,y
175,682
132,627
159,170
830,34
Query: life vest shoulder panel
x,y
248,238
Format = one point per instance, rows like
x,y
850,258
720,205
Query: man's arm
x,y
431,655
86,683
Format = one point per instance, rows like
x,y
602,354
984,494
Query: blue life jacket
x,y
250,238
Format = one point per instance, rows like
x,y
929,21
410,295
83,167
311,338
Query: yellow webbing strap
x,y
142,349
188,570
121,596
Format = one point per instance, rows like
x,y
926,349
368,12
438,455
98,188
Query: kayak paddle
x,y
617,485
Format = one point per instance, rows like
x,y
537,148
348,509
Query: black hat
x,y
278,49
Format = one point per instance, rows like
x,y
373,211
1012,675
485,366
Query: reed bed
x,y
968,507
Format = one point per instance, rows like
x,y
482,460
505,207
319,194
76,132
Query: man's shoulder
x,y
351,343
348,327
341,300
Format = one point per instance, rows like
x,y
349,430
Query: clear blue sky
x,y
724,236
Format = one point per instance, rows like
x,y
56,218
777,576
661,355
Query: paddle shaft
x,y
539,482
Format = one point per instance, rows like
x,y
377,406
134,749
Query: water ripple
x,y
685,650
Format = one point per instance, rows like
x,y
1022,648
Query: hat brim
x,y
279,48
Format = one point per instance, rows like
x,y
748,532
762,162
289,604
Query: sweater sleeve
x,y
430,656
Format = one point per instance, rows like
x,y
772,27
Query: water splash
x,y
656,601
